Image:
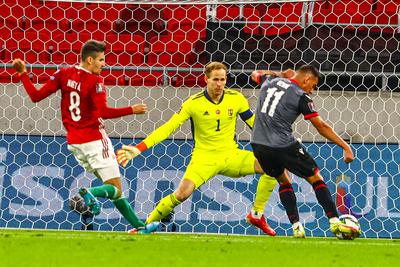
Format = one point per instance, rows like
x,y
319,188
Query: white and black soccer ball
x,y
352,222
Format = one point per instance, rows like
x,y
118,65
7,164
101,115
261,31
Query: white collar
x,y
81,68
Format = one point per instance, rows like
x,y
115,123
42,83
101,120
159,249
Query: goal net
x,y
156,53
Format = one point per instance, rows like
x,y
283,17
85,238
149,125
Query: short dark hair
x,y
215,66
91,48
310,70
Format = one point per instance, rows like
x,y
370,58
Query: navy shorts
x,y
293,158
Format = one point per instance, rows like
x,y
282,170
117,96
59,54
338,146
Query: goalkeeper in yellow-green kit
x,y
213,114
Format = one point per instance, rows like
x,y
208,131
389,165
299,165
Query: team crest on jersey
x,y
99,87
230,112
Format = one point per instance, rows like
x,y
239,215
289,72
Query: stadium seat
x,y
339,12
140,20
6,31
32,46
5,77
130,77
228,12
4,53
282,18
172,50
92,25
5,11
187,17
384,13
146,78
188,79
252,15
125,49
40,75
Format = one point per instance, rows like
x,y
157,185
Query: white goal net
x,y
156,52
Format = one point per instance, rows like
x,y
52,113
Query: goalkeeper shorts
x,y
205,165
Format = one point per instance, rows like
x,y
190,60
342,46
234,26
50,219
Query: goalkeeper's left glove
x,y
127,153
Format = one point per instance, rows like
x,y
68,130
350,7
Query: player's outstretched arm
x,y
36,95
19,66
127,153
326,131
256,75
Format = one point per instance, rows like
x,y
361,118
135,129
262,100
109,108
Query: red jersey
x,y
83,102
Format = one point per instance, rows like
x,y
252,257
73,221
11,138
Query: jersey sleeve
x,y
263,77
165,130
306,107
244,111
100,100
50,87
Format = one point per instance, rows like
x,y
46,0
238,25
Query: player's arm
x,y
307,108
257,75
248,117
127,153
106,112
36,95
326,131
245,112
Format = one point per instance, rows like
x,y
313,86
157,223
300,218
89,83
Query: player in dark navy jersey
x,y
283,97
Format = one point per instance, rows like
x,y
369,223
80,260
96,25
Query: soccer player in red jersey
x,y
83,108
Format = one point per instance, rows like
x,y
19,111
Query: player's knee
x,y
185,190
315,178
181,196
118,193
258,168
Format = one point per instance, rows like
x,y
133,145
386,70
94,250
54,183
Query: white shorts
x,y
97,157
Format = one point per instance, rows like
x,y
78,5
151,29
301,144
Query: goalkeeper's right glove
x,y
126,154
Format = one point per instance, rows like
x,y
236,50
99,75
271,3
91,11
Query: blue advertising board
x,y
38,176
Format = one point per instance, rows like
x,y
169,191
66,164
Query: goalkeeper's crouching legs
x,y
163,208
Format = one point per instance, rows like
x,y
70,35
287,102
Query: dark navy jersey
x,y
279,104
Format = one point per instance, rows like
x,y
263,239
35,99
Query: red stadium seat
x,y
40,75
5,55
228,12
282,18
125,49
32,46
252,15
142,20
5,11
6,77
385,13
172,50
188,79
92,25
339,12
187,17
125,78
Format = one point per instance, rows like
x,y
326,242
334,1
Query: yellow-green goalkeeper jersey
x,y
213,124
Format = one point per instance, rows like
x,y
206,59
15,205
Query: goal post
x,y
156,53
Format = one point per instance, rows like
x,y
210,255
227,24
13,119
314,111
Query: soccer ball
x,y
350,221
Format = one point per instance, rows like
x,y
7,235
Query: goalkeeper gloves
x,y
126,154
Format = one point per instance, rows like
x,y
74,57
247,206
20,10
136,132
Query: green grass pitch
x,y
78,248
